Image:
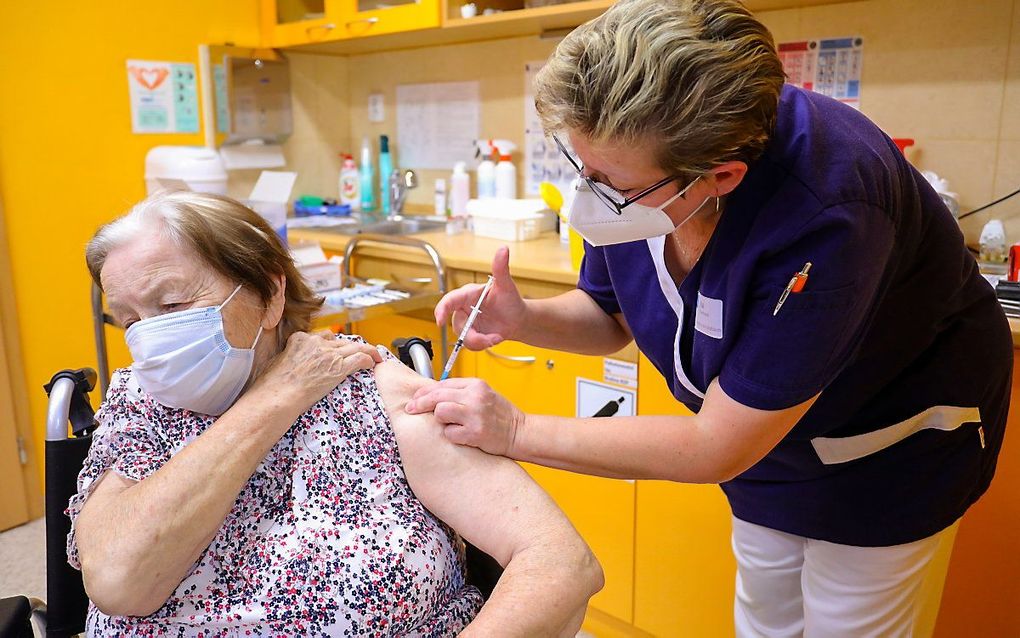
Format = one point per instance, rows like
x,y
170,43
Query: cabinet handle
x,y
325,27
369,21
507,357
418,280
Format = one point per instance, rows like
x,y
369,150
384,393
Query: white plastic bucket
x,y
200,168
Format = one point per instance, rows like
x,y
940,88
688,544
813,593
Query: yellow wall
x,y
68,159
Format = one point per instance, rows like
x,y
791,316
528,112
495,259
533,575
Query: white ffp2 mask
x,y
183,359
593,219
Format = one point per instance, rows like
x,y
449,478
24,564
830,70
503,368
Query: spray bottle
x,y
506,172
487,169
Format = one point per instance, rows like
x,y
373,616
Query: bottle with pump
x,y
385,172
349,191
506,172
367,177
487,171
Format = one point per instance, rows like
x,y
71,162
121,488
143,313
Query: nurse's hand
x,y
502,312
472,413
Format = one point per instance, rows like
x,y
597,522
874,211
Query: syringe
x,y
475,309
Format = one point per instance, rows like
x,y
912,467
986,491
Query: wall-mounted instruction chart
x,y
164,97
831,67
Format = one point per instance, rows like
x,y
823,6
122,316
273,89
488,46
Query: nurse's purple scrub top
x,y
895,328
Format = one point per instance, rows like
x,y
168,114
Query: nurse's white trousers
x,y
789,585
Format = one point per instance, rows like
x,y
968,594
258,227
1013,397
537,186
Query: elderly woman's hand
x,y
314,363
474,414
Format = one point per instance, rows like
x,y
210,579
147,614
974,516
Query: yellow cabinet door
x,y
543,381
294,22
684,569
361,18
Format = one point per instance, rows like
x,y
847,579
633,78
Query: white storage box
x,y
520,227
319,273
509,220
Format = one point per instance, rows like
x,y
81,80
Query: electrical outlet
x,y
376,109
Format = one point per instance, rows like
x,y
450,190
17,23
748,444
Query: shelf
x,y
549,19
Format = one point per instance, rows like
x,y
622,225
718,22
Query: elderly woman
x,y
250,478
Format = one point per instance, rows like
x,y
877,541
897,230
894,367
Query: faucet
x,y
400,183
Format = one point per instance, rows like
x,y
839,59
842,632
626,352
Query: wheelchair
x,y
63,613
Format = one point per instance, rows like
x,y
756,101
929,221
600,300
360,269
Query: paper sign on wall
x,y
543,161
602,399
831,67
437,124
164,97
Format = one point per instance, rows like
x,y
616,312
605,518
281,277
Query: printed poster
x,y
831,67
543,162
164,97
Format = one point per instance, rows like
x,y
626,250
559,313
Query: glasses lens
x,y
608,194
566,153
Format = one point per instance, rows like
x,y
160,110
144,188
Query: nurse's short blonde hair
x,y
229,237
698,80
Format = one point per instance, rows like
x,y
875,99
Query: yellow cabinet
x,y
684,569
543,381
359,18
287,23
292,22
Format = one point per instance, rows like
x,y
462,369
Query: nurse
x,y
800,287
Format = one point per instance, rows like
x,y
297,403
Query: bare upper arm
x,y
489,500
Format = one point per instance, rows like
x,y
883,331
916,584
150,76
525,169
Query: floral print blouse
x,y
325,539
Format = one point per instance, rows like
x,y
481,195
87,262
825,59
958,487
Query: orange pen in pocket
x,y
797,283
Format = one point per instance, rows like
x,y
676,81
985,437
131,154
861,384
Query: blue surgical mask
x,y
183,359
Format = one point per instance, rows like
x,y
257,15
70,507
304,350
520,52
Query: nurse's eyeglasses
x,y
609,196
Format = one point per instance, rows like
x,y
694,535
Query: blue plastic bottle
x,y
385,172
367,173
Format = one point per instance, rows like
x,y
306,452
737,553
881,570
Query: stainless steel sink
x,y
404,226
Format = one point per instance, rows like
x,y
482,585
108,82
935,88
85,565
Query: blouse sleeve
x,y
594,279
781,359
125,442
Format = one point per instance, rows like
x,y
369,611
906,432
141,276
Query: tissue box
x,y
320,274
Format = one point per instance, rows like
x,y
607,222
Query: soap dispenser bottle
x,y
385,173
367,177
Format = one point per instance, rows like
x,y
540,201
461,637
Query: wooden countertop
x,y
544,259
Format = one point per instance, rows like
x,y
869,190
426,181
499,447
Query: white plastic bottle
x,y
440,197
487,177
460,190
349,188
506,178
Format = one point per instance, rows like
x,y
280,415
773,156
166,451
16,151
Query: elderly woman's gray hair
x,y
229,237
